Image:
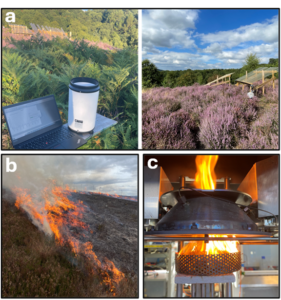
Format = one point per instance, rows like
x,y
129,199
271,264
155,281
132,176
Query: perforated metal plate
x,y
208,265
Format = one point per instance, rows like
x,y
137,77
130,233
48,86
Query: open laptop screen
x,y
31,118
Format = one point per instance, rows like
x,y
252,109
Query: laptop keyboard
x,y
48,139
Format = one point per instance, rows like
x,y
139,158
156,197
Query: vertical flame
x,y
205,177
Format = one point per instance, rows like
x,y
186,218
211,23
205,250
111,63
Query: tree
x,y
186,79
251,62
150,74
55,24
170,79
130,20
199,78
273,62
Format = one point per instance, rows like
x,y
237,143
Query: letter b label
x,y
11,166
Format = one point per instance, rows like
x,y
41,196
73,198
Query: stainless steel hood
x,y
187,214
200,212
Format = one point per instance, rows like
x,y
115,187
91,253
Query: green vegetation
x,y
152,77
39,67
251,62
116,27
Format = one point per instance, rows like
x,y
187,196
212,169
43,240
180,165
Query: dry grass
x,y
143,89
34,266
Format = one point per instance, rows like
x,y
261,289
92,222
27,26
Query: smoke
x,y
32,175
39,186
33,172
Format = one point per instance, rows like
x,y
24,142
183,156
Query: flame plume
x,y
205,177
56,215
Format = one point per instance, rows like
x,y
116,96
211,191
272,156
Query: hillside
x,y
37,67
116,27
114,222
204,117
8,37
34,265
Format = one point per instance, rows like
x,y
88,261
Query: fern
x,y
39,67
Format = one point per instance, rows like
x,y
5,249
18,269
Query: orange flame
x,y
213,247
61,214
205,177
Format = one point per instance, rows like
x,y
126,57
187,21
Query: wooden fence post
x,y
263,82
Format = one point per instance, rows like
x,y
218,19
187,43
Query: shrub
x,y
204,117
264,132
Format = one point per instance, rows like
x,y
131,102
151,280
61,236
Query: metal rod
x,y
229,289
226,183
182,183
180,245
206,236
209,239
179,290
193,291
198,290
212,287
179,286
222,290
207,289
203,290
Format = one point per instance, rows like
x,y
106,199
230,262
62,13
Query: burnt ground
x,y
34,265
114,223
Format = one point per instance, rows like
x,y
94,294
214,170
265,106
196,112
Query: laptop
x,y
36,124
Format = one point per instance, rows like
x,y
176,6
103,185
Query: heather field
x,y
203,117
7,37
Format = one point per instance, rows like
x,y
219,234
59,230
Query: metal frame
x,y
243,241
170,256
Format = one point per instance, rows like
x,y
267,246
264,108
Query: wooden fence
x,y
220,80
20,29
253,77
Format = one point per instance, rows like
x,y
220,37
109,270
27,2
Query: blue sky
x,y
208,38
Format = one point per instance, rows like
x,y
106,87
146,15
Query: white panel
x,y
253,253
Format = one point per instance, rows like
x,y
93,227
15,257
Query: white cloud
x,y
233,61
167,28
170,60
174,18
224,49
266,32
263,49
213,48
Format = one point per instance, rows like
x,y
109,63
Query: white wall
x,y
253,254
